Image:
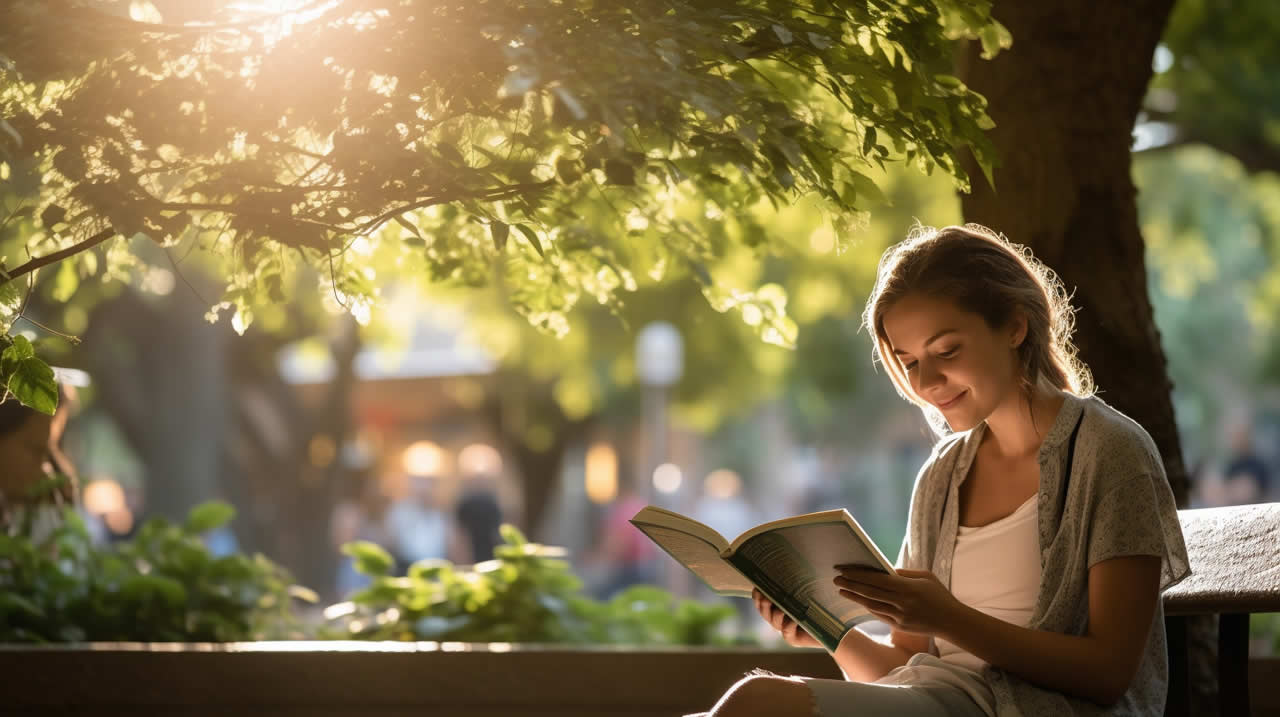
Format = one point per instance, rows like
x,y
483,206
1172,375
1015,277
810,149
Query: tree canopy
x,y
561,151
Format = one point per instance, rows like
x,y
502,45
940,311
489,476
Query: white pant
x,y
924,687
841,698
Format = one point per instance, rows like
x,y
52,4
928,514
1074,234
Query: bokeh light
x,y
667,478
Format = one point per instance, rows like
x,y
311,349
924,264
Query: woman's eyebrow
x,y
928,341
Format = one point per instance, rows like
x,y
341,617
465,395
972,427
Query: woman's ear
x,y
1018,330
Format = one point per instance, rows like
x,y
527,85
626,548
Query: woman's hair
x,y
13,415
983,273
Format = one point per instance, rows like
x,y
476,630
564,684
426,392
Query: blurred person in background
x,y
1246,478
358,515
418,527
626,555
37,481
478,516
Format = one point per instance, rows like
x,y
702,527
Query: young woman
x,y
1042,529
29,454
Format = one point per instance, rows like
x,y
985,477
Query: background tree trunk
x,y
159,373
517,403
1064,100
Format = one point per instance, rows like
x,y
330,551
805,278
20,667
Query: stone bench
x,y
1235,571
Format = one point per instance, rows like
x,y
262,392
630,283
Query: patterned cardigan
x,y
1115,502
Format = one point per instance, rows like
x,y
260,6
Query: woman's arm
x,y
862,658
1098,665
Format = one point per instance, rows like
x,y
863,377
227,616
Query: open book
x,y
792,561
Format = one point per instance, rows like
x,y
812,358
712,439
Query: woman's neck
x,y
1018,426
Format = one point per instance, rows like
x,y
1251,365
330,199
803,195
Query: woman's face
x,y
22,456
953,359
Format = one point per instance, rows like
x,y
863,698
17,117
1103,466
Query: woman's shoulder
x,y
944,458
1115,442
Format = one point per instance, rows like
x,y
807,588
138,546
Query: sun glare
x,y
279,17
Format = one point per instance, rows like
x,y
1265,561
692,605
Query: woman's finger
x,y
891,619
779,619
869,591
872,605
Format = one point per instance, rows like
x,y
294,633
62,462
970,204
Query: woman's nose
x,y
929,375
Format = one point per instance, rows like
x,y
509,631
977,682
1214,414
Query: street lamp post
x,y
659,364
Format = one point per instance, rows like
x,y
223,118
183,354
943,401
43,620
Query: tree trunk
x,y
1064,100
517,403
158,370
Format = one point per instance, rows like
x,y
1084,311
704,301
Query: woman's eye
x,y
948,353
908,365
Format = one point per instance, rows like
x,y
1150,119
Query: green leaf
x,y
500,232
511,534
29,379
700,271
619,172
407,225
53,215
532,236
20,350
866,188
995,37
868,140
10,302
568,170
149,587
11,602
370,558
208,516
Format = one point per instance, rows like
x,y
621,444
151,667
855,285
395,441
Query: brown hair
x,y
985,274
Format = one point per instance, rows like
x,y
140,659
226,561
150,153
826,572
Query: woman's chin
x,y
959,423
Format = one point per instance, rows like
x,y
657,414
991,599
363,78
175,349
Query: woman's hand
x,y
790,630
912,601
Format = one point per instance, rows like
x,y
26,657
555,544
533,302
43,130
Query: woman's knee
x,y
761,695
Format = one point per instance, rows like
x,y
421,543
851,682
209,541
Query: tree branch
x,y
445,197
59,255
1253,153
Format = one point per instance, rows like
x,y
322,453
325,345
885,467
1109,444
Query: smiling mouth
x,y
952,402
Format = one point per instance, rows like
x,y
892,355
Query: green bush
x,y
527,593
164,585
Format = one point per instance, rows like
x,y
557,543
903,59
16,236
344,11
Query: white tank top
x,y
996,570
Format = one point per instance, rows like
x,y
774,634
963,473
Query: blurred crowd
x,y
417,525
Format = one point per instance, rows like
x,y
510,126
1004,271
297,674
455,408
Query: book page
x,y
701,557
795,567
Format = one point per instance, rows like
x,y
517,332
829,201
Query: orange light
x,y
601,473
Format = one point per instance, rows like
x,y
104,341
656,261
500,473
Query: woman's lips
x,y
952,402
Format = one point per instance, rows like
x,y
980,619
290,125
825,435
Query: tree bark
x,y
1064,100
158,369
518,402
